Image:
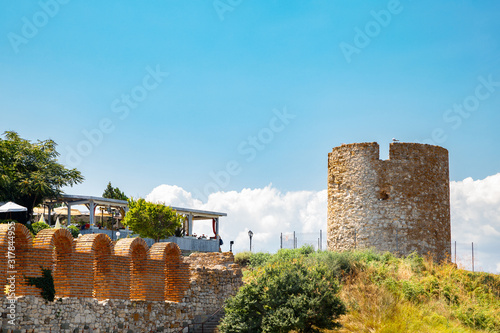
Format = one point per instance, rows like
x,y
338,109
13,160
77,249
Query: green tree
x,y
150,220
29,172
283,296
113,193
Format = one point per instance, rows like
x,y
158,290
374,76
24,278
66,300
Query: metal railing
x,y
185,243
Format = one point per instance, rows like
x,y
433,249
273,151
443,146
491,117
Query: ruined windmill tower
x,y
399,205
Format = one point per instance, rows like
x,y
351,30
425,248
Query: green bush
x,y
416,291
243,258
288,255
45,283
38,226
341,264
306,250
283,296
74,231
259,259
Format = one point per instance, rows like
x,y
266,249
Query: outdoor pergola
x,y
90,202
195,214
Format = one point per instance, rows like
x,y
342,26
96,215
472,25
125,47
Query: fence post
x,y
294,241
281,240
472,257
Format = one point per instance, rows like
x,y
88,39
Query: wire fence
x,y
466,255
463,254
294,240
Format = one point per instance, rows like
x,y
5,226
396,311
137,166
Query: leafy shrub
x,y
38,226
284,296
341,264
287,255
306,250
45,283
242,258
368,256
259,259
74,231
385,293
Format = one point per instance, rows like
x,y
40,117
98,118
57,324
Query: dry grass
x,y
375,309
419,296
387,294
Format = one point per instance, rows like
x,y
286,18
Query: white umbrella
x,y
58,224
11,207
41,218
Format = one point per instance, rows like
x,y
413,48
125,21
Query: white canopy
x,y
11,207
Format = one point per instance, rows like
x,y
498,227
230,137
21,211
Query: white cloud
x,y
475,215
266,211
173,196
475,211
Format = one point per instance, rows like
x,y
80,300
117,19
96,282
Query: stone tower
x,y
399,205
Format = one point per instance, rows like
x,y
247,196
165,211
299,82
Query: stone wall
x,y
399,205
105,286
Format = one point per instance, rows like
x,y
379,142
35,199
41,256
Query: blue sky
x,y
226,77
232,67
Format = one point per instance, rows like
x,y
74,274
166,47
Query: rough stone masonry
x,y
399,205
106,286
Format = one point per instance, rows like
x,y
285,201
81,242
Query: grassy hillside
x,y
383,293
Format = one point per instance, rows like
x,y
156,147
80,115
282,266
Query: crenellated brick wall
x,y
92,273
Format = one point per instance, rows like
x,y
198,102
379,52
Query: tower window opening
x,y
383,195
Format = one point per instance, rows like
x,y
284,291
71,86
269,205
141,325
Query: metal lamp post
x,y
250,234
